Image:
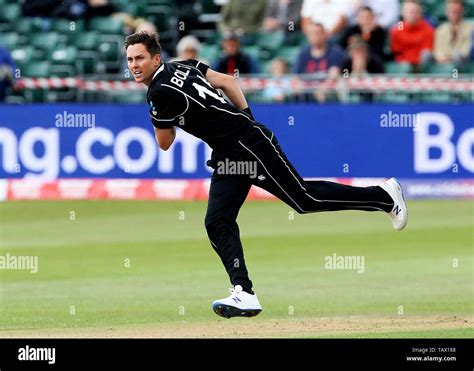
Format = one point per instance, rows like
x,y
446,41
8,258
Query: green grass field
x,y
146,269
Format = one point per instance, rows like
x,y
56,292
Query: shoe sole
x,y
228,311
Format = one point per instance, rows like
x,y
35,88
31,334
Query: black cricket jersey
x,y
179,95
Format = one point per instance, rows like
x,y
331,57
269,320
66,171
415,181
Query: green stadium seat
x,y
88,58
270,40
135,10
209,52
10,13
209,6
24,26
253,51
394,68
439,11
126,97
46,41
469,8
436,97
88,40
161,17
289,54
64,55
265,66
67,27
28,25
107,25
37,69
445,69
468,68
10,40
111,52
214,39
296,38
23,55
393,97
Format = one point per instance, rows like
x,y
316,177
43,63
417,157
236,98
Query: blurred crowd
x,y
329,39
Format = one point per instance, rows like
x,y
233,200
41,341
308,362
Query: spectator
x,y
319,56
7,72
330,13
360,60
242,16
412,39
188,48
453,38
279,87
386,12
368,30
280,13
234,61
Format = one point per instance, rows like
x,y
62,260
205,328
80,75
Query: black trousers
x,y
259,155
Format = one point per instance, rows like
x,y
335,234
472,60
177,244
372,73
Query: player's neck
x,y
148,82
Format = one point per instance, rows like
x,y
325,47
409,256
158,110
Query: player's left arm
x,y
228,84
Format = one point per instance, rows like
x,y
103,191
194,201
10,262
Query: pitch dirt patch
x,y
258,328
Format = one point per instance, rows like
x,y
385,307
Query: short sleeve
x,y
166,107
199,65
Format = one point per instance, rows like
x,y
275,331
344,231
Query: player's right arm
x,y
166,107
165,137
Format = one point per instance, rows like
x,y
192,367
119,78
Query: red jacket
x,y
407,41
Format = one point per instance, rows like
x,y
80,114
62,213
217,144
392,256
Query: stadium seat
x,y
9,40
46,41
67,27
289,54
10,13
446,69
159,2
393,97
437,97
111,52
163,17
23,56
64,55
107,25
126,97
209,52
394,68
295,38
270,40
253,51
88,40
37,69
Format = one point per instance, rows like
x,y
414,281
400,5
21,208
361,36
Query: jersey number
x,y
202,90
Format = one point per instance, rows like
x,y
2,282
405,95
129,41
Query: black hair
x,y
151,42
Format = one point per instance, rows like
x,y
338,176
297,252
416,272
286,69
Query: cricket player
x,y
187,94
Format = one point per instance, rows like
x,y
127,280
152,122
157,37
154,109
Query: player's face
x,y
141,63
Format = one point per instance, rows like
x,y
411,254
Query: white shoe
x,y
238,304
399,213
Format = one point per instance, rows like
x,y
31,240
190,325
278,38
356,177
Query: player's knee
x,y
210,225
218,225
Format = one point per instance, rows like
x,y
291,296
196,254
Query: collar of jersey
x,y
158,70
